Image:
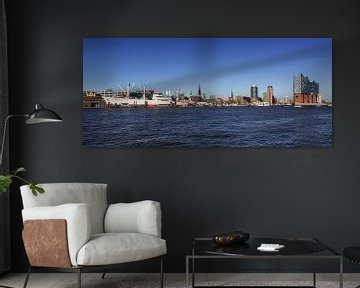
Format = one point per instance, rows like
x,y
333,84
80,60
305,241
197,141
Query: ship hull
x,y
128,102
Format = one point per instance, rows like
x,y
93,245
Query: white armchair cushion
x,y
78,221
93,194
138,217
113,248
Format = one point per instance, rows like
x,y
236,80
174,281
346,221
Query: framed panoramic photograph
x,y
207,92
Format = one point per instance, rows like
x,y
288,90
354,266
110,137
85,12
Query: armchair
x,y
71,228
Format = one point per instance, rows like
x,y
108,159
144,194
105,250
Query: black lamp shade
x,y
42,115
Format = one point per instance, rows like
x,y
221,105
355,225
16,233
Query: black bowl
x,y
225,239
231,238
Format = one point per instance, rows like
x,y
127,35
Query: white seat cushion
x,y
113,248
137,217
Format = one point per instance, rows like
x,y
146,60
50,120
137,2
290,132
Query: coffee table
x,y
294,248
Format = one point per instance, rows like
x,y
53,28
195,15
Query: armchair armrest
x,y
138,217
77,219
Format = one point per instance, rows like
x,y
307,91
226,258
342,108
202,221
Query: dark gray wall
x,y
276,192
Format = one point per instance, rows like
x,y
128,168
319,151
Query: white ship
x,y
157,100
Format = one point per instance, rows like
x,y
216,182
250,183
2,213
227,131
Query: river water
x,y
276,126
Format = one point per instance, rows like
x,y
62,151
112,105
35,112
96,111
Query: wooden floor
x,y
117,280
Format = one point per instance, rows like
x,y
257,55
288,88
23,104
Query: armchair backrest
x,y
92,194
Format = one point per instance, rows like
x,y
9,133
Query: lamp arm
x,y
4,134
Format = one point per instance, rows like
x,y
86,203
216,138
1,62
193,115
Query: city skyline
x,y
219,65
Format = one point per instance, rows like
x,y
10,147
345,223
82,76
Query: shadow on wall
x,y
207,69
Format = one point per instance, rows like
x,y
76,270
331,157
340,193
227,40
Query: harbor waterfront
x,y
247,126
245,92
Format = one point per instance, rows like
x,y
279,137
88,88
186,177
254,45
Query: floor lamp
x,y
39,115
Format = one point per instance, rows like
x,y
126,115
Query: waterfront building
x,y
239,100
246,100
231,98
195,98
93,100
253,93
320,99
286,100
211,100
265,97
306,91
270,93
268,96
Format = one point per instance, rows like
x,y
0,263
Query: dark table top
x,y
292,247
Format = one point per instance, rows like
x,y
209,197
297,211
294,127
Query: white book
x,y
270,247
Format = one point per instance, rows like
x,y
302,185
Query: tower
x,y
199,91
253,92
270,94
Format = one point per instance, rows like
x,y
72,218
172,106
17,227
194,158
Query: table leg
x,y
187,272
314,271
193,272
341,273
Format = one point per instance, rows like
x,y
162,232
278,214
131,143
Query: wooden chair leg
x,y
27,277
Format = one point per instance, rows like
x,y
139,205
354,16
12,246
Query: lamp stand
x,y
4,135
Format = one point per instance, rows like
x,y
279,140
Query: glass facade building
x,y
253,92
302,84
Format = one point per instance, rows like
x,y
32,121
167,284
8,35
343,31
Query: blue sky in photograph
x,y
219,65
